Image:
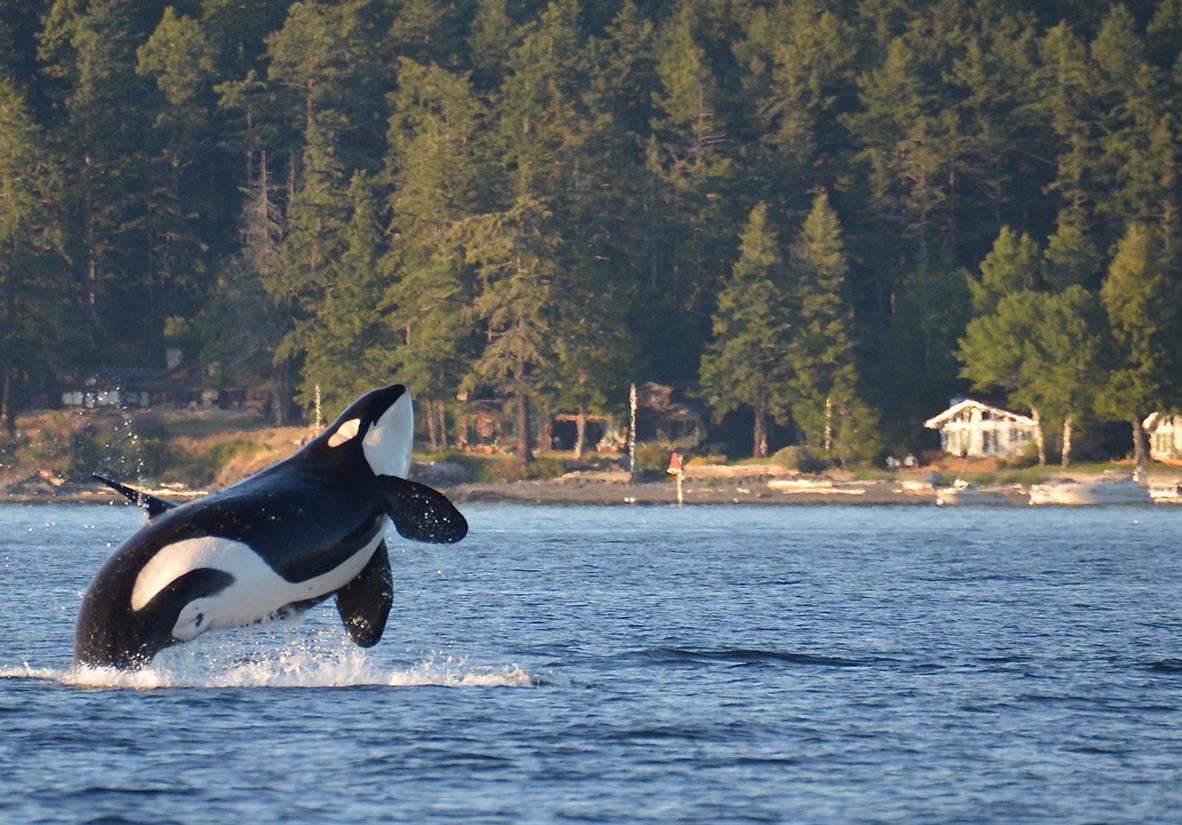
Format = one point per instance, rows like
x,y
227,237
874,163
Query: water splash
x,y
292,667
128,457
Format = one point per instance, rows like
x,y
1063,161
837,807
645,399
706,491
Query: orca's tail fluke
x,y
146,501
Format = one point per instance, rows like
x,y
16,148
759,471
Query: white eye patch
x,y
345,432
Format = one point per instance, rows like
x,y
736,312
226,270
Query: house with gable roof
x,y
976,430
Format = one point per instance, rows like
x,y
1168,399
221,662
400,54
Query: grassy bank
x,y
207,449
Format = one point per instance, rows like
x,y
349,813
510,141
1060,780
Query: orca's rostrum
x,y
305,529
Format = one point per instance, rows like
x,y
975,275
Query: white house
x,y
970,428
1165,436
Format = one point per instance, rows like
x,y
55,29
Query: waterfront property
x,y
972,429
1165,436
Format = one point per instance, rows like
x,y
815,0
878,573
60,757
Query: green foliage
x,y
652,459
1011,266
32,286
544,201
544,468
744,365
801,459
932,307
825,404
1141,301
1043,349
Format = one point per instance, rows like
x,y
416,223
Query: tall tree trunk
x,y
546,430
7,405
1039,440
827,440
1139,452
442,410
524,447
7,315
580,433
281,395
1065,451
431,440
759,435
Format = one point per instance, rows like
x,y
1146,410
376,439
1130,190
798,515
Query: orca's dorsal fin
x,y
155,506
420,513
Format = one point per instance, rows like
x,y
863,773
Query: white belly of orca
x,y
256,593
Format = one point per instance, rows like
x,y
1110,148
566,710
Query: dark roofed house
x,y
177,386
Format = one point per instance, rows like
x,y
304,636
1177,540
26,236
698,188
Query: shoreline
x,y
566,492
580,493
705,486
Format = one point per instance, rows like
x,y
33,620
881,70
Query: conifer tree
x,y
32,289
1141,302
438,177
744,366
240,326
517,260
490,39
87,52
826,404
1011,266
1043,350
178,182
345,342
689,171
1071,257
932,307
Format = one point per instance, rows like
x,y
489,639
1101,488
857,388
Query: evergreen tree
x,y
490,40
344,344
1141,303
32,322
438,177
1036,333
87,52
826,403
178,181
800,69
1066,99
427,31
1071,257
240,326
1042,349
744,364
1011,266
689,171
517,263
920,369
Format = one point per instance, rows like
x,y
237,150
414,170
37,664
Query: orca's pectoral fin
x,y
422,514
155,506
364,603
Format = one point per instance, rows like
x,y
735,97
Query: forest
x,y
822,219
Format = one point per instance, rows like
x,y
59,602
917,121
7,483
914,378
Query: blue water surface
x,y
615,664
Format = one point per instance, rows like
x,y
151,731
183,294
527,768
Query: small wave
x,y
745,656
287,669
1165,666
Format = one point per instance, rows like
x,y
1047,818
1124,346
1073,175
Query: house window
x,y
989,442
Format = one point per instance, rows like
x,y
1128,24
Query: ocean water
x,y
615,664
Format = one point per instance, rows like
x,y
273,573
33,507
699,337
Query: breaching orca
x,y
282,540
